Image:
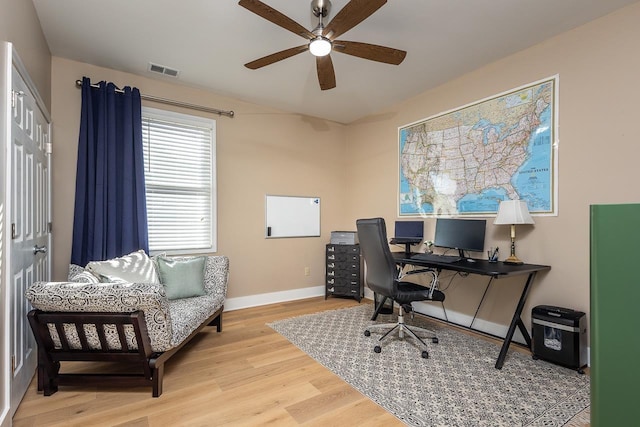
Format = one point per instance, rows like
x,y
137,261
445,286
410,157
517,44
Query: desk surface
x,y
480,266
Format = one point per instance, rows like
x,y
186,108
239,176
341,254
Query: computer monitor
x,y
408,233
409,230
460,234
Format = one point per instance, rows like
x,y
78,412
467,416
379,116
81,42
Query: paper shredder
x,y
559,335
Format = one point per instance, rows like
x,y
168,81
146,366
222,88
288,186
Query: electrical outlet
x,y
307,271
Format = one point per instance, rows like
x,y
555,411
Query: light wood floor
x,y
248,375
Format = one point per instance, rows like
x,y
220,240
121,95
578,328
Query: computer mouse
x,y
471,260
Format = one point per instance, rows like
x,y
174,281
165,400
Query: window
x,y
180,159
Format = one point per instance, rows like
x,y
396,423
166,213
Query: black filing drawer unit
x,y
559,335
344,271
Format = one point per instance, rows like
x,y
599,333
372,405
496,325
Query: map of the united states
x,y
466,161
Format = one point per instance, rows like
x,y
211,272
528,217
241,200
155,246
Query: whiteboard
x,y
292,216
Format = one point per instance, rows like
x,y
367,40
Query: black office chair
x,y
383,279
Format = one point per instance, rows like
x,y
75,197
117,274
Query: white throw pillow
x,y
136,267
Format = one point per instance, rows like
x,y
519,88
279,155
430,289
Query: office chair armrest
x,y
434,281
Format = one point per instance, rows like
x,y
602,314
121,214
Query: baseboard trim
x,y
436,311
238,303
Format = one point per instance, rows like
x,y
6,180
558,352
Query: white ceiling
x,y
208,41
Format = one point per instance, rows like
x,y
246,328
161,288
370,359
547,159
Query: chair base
x,y
402,327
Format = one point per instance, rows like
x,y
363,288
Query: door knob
x,y
39,249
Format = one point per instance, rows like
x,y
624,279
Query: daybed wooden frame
x,y
151,363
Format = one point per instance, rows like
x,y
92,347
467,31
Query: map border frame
x,y
553,163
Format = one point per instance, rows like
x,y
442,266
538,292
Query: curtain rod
x,y
171,102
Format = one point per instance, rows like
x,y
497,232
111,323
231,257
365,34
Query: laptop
x,y
408,232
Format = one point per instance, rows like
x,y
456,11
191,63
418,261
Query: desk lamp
x,y
513,212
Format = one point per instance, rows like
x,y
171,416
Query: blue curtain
x,y
110,217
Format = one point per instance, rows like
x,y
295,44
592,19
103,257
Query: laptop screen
x,y
409,230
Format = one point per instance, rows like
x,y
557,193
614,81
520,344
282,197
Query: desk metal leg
x,y
516,321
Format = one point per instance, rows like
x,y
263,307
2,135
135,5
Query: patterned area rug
x,y
457,386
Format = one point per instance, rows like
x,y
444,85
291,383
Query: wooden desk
x,y
495,270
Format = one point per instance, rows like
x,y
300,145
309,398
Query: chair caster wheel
x,y
367,333
425,354
534,357
377,349
434,340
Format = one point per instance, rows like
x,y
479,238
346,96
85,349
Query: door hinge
x,y
14,97
13,365
50,226
48,148
14,235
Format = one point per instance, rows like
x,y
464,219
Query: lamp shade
x,y
513,212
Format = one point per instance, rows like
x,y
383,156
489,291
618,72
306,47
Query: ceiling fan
x,y
322,39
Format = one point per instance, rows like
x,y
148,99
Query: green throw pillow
x,y
182,278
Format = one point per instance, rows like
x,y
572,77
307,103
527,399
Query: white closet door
x,y
29,215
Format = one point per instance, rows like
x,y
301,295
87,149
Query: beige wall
x,y
260,151
598,150
19,24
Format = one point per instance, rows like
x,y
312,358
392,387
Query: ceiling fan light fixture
x,y
319,41
320,46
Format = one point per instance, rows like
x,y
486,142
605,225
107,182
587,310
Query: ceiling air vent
x,y
161,69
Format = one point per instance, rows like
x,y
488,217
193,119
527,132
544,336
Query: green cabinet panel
x,y
615,315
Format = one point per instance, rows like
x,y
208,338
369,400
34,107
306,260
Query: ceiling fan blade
x,y
373,52
275,57
272,15
351,15
326,74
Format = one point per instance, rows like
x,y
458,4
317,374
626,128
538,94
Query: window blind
x,y
179,155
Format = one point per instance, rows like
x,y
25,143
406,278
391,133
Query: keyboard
x,y
447,259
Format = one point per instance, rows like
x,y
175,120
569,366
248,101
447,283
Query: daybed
x,y
86,319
